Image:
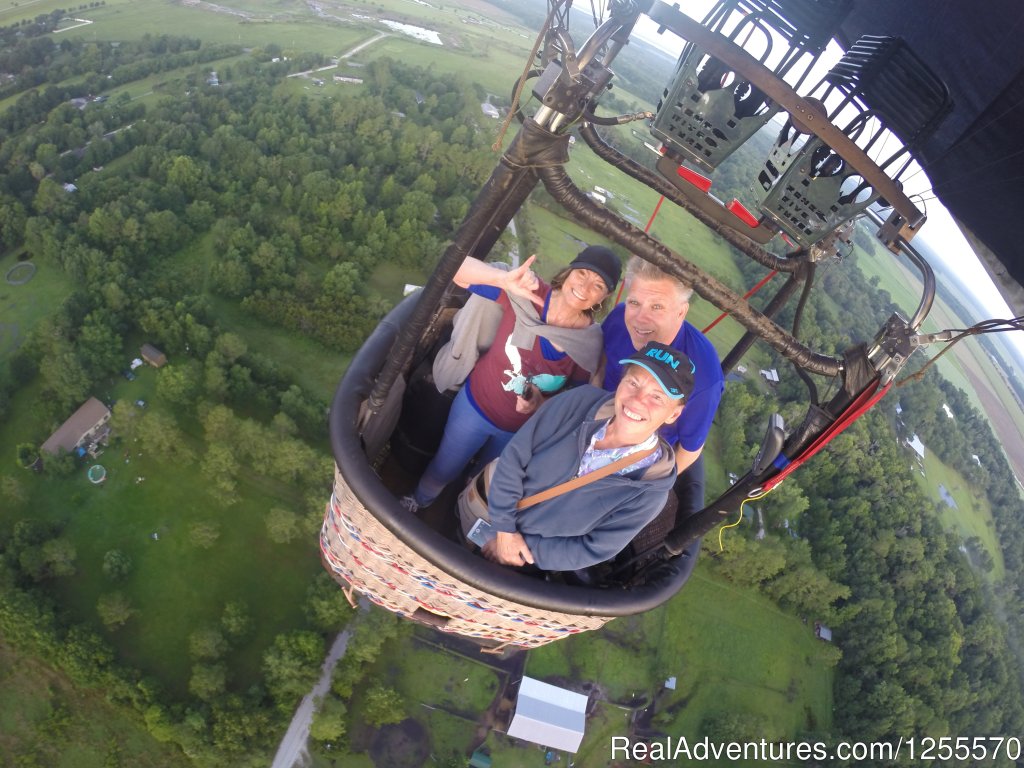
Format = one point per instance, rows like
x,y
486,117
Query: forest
x,y
283,208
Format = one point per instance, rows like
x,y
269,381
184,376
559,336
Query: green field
x,y
175,585
23,306
972,515
730,650
291,26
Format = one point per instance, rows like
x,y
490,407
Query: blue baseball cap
x,y
673,370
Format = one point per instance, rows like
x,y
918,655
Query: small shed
x,y
480,760
548,715
917,446
153,356
822,632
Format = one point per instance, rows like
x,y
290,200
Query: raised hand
x,y
522,281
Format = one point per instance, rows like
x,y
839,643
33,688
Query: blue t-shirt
x,y
691,429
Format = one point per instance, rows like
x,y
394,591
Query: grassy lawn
x,y
973,514
175,586
41,713
429,676
316,368
494,66
294,28
447,693
23,306
731,650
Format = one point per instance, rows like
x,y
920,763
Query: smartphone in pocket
x,y
480,532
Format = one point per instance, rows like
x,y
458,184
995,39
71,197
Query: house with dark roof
x,y
85,425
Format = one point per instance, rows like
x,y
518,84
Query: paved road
x,y
293,747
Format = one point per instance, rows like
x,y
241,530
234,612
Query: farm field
x,y
966,363
293,28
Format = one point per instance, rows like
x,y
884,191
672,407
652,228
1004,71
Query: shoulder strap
x,y
577,482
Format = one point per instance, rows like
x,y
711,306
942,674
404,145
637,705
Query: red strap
x,y
854,411
747,295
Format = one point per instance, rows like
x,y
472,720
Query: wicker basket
x,y
365,554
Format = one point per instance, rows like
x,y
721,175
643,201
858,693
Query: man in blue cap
x,y
572,435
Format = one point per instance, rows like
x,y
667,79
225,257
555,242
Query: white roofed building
x,y
548,715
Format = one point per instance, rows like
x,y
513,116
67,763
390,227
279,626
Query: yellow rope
x,y
739,519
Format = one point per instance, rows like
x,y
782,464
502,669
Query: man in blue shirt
x,y
655,310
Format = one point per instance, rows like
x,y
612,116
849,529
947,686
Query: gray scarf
x,y
583,345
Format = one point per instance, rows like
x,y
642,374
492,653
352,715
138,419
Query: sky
x,y
940,232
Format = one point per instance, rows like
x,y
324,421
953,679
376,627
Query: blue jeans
x,y
466,432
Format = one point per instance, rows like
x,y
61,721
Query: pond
x,y
427,35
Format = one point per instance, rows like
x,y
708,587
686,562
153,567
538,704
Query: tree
x,y
27,455
124,420
63,464
207,681
291,665
748,562
65,378
116,564
383,706
326,606
207,643
230,347
235,621
160,435
179,383
282,525
59,555
220,467
329,720
114,610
